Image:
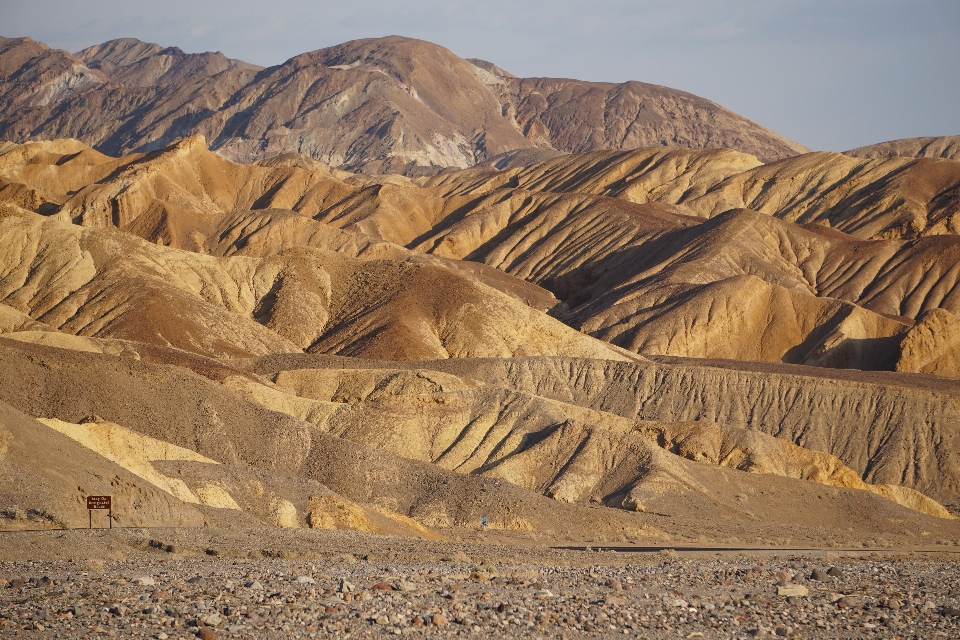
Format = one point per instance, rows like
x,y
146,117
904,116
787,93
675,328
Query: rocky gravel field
x,y
477,590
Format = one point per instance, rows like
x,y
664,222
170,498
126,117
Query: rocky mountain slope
x,y
133,63
379,105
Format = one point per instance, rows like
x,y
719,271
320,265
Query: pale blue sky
x,y
830,74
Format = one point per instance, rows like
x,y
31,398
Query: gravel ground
x,y
534,593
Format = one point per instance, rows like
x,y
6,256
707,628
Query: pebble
x,y
145,581
659,597
212,620
820,575
835,572
406,585
613,583
304,580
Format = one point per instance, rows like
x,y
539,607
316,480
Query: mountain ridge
x,y
384,105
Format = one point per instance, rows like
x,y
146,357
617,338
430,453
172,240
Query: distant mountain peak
x,y
375,105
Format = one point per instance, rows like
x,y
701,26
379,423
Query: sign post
x,y
99,503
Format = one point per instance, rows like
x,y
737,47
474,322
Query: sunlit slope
x,y
947,147
608,242
104,283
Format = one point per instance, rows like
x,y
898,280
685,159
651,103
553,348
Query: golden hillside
x,y
576,345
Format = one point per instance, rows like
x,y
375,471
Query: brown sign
x,y
98,502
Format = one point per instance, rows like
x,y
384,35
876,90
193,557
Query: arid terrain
x,y
214,583
361,302
378,105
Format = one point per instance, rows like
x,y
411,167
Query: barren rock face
x,y
385,105
575,116
133,63
33,76
931,345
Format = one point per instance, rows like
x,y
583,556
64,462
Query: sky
x,y
830,74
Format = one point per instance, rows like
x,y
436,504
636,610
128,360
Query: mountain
x,y
133,63
35,77
947,147
560,311
387,105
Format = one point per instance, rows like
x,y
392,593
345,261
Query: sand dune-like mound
x,y
47,475
155,483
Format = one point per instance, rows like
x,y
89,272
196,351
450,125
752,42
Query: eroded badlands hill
x,y
614,244
288,344
377,105
937,147
319,447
